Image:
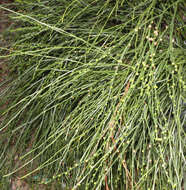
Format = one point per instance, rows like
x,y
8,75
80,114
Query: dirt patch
x,y
15,183
4,72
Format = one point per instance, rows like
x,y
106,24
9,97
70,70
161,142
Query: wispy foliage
x,y
100,86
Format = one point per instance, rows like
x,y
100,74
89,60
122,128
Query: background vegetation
x,y
97,96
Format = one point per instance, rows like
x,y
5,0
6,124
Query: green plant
x,y
98,92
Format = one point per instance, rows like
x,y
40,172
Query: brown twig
x,y
127,174
106,183
111,125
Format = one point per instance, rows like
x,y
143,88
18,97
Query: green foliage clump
x,y
99,92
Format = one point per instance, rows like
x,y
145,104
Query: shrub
x,y
99,92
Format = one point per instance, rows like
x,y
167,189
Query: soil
x,y
4,72
15,182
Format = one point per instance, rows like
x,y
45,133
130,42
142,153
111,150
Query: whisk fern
x,y
98,92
